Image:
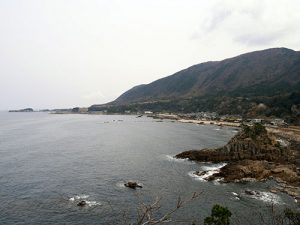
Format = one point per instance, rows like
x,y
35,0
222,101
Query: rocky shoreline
x,y
255,154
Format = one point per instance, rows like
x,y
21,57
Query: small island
x,y
22,110
255,154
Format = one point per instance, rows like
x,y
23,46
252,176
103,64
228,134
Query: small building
x,y
278,122
256,120
148,112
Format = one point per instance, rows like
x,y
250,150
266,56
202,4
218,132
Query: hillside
x,y
269,71
233,85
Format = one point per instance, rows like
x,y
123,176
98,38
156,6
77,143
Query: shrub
x,y
292,216
254,131
219,216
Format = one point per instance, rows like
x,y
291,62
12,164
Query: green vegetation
x,y
257,84
219,216
293,217
262,83
268,72
254,131
285,106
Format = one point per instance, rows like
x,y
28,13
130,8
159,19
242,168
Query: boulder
x,y
81,203
200,173
250,192
273,190
132,185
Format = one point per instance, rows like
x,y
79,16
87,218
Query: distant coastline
x,y
22,110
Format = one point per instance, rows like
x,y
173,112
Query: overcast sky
x,y
58,54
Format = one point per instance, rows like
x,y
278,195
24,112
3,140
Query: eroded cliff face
x,y
260,170
252,143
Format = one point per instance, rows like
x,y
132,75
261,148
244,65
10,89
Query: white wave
x,y
270,198
173,159
267,197
196,177
79,197
217,129
203,177
92,203
83,197
120,184
209,167
236,196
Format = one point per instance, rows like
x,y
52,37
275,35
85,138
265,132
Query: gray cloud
x,y
58,53
212,21
261,39
216,19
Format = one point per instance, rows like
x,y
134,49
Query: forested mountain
x,y
269,78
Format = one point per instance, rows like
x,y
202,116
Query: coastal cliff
x,y
252,143
255,155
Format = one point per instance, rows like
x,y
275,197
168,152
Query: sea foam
x,y
210,170
173,159
78,198
268,197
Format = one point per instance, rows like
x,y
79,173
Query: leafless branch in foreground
x,y
147,213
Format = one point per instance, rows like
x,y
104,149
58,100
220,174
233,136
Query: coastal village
x,y
220,120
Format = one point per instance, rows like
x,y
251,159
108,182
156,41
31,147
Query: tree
x,y
219,216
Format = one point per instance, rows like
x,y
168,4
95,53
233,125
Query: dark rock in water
x,y
81,203
210,178
249,192
132,185
200,173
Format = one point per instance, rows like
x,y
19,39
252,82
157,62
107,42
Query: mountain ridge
x,y
216,76
234,85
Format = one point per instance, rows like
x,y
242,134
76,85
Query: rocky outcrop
x,y
253,143
245,170
255,155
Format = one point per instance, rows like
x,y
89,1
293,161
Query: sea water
x,y
49,162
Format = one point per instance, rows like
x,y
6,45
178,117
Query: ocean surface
x,y
50,162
